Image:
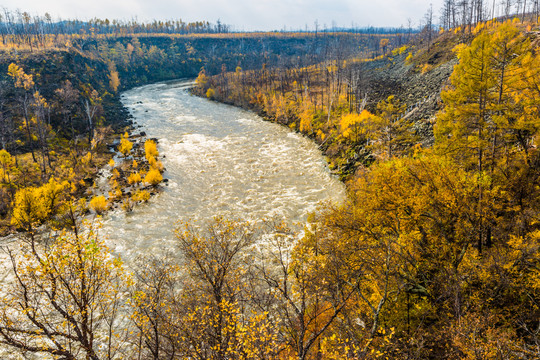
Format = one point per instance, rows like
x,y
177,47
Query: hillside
x,y
438,145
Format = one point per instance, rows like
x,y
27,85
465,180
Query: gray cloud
x,y
243,14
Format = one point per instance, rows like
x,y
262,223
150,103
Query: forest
x,y
435,254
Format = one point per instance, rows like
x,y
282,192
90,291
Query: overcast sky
x,y
241,14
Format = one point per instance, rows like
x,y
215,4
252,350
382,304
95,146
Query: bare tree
x,y
64,299
428,28
448,14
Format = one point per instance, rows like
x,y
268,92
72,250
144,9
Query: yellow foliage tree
x,y
306,116
201,78
6,161
153,177
150,149
490,120
134,178
99,204
390,133
384,44
64,298
141,195
125,145
353,126
34,205
22,79
114,78
218,326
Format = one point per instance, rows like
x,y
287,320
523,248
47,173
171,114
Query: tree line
x,y
463,13
21,28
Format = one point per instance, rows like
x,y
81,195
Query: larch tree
x,y
389,131
301,298
487,125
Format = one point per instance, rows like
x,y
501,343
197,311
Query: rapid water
x,y
220,160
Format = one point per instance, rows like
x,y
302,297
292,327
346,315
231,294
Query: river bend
x,y
219,160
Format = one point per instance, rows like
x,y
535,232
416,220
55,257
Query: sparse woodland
x,y
435,254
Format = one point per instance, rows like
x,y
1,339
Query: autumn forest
x,y
434,131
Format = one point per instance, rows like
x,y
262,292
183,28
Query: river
x,y
219,160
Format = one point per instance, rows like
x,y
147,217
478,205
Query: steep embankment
x,y
146,59
419,91
415,77
50,70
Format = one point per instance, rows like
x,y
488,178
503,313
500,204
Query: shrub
x,y
150,149
134,178
99,204
409,59
158,165
426,68
127,205
141,195
125,145
153,177
154,164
